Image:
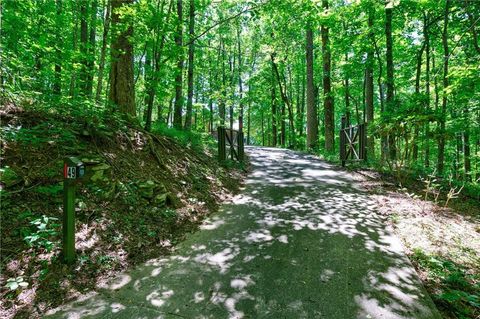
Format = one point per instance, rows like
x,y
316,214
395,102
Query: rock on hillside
x,y
141,194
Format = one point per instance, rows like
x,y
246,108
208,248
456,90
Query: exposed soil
x,y
427,226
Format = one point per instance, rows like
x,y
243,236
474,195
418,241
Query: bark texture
x,y
312,121
328,106
191,53
122,92
177,113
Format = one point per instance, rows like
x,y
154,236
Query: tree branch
x,y
236,15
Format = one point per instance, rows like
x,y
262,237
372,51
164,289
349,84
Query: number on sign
x,y
71,172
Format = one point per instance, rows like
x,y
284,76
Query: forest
x,y
138,89
284,70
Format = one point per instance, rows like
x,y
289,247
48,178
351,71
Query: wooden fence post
x,y
231,142
240,145
221,143
342,140
361,142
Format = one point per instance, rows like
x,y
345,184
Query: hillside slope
x,y
142,192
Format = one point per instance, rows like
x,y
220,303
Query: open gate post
x,y
353,141
233,140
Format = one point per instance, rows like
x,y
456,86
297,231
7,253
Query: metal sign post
x,y
73,171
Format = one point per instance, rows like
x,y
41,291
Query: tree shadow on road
x,y
300,242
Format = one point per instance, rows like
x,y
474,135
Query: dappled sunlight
x,y
117,307
222,259
300,241
117,283
326,275
86,238
211,224
258,236
96,307
198,297
427,227
158,297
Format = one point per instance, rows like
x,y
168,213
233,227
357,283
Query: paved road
x,y
301,241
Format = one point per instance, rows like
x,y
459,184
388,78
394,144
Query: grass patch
x,y
455,289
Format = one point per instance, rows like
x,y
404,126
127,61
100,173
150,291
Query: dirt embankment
x,y
142,193
441,235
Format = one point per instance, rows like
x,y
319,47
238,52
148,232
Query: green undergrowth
x,y
413,175
407,172
142,193
199,141
454,288
230,164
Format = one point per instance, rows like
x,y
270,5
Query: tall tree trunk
x,y
122,90
210,107
383,140
210,95
466,146
153,75
298,109
347,86
286,102
83,47
195,122
103,52
282,126
426,35
232,79
418,74
320,123
302,106
435,83
248,122
477,153
177,114
73,76
473,22
456,161
369,83
91,50
329,110
159,113
240,85
446,54
221,102
191,52
57,87
390,79
148,67
204,121
263,127
312,120
39,79
170,113
268,130
274,111
364,107
290,107
477,161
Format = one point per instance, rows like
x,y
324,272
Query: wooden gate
x,y
353,140
230,141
